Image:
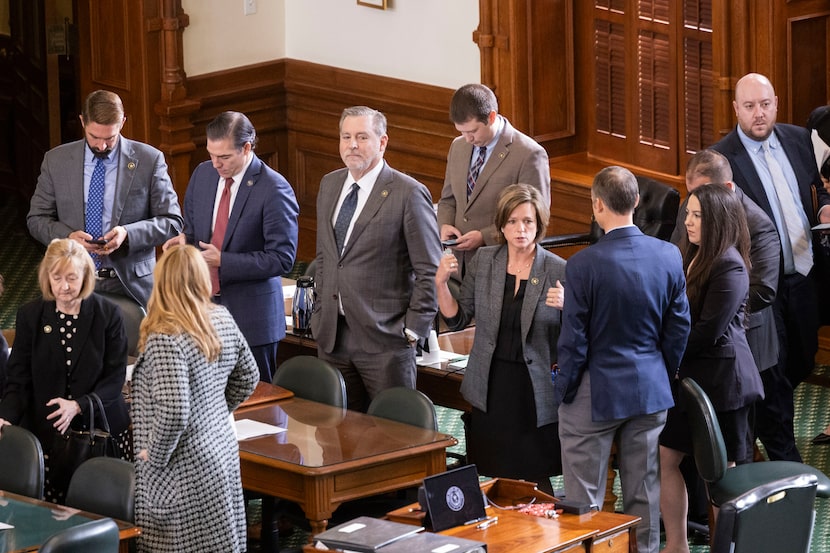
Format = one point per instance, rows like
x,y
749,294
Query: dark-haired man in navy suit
x,y
796,311
625,323
260,240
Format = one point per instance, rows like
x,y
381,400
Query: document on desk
x,y
434,359
247,428
4,526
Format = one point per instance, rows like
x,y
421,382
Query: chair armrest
x,y
563,240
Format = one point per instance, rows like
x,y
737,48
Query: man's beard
x,y
102,154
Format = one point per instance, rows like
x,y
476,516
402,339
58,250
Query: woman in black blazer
x,y
716,258
67,344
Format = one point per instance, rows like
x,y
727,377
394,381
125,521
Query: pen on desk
x,y
487,523
473,521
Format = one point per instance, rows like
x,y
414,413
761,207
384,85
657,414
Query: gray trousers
x,y
586,446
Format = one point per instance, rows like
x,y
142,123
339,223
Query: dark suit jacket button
x,y
334,296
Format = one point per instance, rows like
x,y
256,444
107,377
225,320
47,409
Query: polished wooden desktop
x,y
34,521
329,455
440,384
514,531
597,531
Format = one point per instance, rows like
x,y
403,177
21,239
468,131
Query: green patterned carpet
x,y
18,264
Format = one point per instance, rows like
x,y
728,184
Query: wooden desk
x,y
441,386
515,531
265,392
34,521
330,455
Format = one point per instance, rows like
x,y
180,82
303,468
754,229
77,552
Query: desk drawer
x,y
615,543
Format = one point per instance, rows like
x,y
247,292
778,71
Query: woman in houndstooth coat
x,y
194,368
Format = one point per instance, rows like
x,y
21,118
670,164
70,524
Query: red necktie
x,y
219,228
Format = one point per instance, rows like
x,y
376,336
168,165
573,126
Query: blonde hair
x,y
61,253
180,302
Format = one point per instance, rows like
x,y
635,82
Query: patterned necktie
x,y
802,255
344,218
219,228
472,176
95,205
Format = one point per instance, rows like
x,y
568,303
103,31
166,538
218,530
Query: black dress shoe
x,y
821,439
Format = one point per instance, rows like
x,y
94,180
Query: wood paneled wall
x,y
295,107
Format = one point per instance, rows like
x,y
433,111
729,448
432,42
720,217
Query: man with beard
x,y
112,195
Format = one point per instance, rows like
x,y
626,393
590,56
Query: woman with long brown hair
x,y
716,259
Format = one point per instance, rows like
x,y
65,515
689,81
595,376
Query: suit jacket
x,y
37,370
145,204
482,294
798,147
717,354
260,244
765,256
386,275
626,320
516,158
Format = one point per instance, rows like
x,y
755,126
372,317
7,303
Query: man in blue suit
x,y
625,324
260,233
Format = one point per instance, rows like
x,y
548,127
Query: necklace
x,y
521,269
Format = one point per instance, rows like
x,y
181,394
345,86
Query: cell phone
x,y
449,242
98,241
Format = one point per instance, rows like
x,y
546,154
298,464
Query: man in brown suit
x,y
488,156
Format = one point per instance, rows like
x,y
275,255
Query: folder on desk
x,y
428,542
365,534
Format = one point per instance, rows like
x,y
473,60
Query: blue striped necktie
x,y
95,205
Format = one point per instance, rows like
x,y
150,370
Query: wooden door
x,y
30,103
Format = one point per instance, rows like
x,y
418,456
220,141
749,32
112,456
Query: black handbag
x,y
74,447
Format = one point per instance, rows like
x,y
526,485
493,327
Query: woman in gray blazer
x,y
513,429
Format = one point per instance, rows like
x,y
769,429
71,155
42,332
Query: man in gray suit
x,y
139,207
489,156
377,252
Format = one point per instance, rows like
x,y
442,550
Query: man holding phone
x,y
111,194
489,156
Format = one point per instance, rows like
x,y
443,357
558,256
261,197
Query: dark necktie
x,y
95,205
344,218
219,228
472,176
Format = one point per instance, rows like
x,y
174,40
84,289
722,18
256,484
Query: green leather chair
x,y
104,486
21,462
774,517
132,313
727,484
405,405
100,536
312,378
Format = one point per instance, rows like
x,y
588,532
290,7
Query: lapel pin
x,y
384,193
501,155
534,281
131,166
47,329
249,183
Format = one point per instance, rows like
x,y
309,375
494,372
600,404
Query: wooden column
x,y
174,108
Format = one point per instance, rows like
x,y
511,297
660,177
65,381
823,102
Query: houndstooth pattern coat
x,y
189,493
